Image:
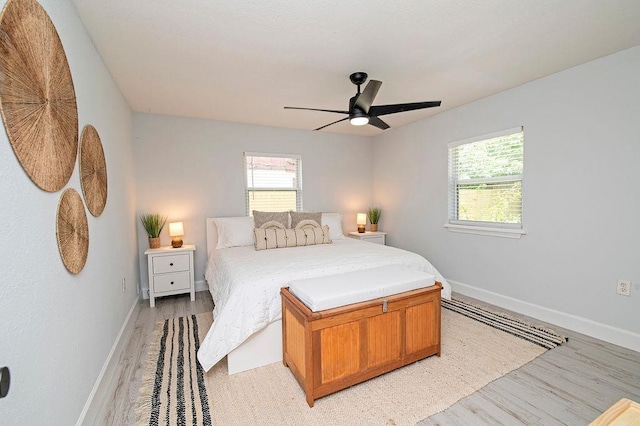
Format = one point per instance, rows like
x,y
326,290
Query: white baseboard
x,y
605,332
201,286
103,386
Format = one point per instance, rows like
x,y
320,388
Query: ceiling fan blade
x,y
392,109
327,125
316,109
367,96
375,121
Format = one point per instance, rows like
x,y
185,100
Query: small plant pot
x,y
374,227
154,242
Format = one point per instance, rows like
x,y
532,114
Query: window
x,y
485,181
273,182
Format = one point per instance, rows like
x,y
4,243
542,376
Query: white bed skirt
x,y
262,348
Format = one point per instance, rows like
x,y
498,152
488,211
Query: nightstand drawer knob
x,y
171,282
171,264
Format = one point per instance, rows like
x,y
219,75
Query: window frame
x,y
498,229
247,189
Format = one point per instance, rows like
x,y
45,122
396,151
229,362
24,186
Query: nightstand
x,y
170,271
368,236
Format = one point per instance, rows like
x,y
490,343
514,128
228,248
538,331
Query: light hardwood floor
x,y
569,385
119,410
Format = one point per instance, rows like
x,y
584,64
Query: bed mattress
x,y
332,291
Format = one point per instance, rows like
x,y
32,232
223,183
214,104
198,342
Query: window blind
x,y
273,182
485,179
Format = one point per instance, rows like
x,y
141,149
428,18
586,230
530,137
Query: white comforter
x,y
245,284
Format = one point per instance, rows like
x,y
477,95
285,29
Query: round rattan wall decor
x,y
72,231
93,170
37,98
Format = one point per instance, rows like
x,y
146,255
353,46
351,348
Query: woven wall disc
x,y
37,98
93,171
72,231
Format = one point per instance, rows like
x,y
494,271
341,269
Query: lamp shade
x,y
176,229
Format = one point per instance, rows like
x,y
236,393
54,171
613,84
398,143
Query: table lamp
x,y
176,230
361,220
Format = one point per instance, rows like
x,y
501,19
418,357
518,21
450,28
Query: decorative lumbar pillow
x,y
234,231
297,217
334,221
266,220
279,238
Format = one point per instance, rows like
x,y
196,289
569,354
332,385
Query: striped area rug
x,y
175,379
546,338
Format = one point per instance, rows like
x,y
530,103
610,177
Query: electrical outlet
x,y
624,287
124,285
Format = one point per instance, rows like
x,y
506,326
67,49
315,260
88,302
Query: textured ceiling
x,y
243,61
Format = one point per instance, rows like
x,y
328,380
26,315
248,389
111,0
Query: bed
x,y
245,285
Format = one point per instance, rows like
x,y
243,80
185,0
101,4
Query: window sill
x,y
484,230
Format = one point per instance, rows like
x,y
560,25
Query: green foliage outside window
x,y
488,180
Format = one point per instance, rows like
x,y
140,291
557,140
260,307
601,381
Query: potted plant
x,y
153,224
374,217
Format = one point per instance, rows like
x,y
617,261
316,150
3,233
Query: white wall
x,y
58,328
190,169
581,197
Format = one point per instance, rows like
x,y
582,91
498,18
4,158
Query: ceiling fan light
x,y
359,121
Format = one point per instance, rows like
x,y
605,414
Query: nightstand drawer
x,y
379,239
175,263
370,237
171,282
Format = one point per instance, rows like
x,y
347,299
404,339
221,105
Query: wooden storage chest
x,y
336,348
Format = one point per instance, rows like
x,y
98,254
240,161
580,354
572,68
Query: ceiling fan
x,y
361,111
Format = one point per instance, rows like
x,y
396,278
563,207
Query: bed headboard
x,y
212,235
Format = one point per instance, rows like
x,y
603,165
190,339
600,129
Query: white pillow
x,y
334,220
234,231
